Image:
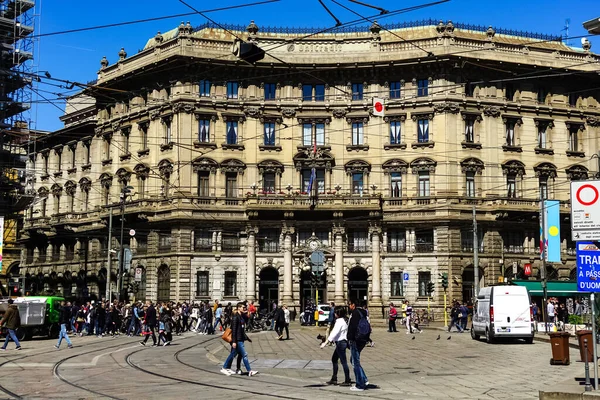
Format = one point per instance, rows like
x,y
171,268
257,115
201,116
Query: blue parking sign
x,y
588,267
405,276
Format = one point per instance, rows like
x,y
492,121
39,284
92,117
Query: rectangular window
x,y
357,133
205,88
270,91
142,243
513,241
542,136
357,183
423,183
510,132
125,149
423,133
320,134
573,97
573,138
307,134
107,141
269,182
470,184
202,240
422,87
204,131
509,91
466,238
164,241
203,183
73,157
71,203
395,132
396,284
141,188
469,89
396,241
231,184
269,134
511,186
59,160
319,92
232,132
542,93
307,92
230,283
202,283
230,242
424,279
268,240
168,138
395,90
358,241
232,90
469,135
543,188
357,91
396,184
424,241
45,157
88,153
319,180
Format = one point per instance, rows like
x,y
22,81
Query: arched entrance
x,y
268,287
358,284
468,283
309,287
164,283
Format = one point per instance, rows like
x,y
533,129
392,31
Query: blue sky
x,y
76,56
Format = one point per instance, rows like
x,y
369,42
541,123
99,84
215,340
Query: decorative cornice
x,y
446,107
339,112
492,111
593,121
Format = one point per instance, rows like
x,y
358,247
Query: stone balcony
x,y
324,201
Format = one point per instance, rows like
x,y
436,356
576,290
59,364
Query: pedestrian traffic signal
x,y
430,287
445,281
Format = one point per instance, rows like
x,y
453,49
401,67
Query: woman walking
x,y
238,337
338,336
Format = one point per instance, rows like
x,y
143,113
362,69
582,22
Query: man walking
x,y
65,319
550,312
12,318
357,341
150,324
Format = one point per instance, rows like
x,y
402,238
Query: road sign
x,y
585,210
138,274
132,232
405,276
588,267
527,269
515,268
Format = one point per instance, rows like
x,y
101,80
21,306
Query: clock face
x,y
313,245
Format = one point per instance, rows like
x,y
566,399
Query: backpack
x,y
363,333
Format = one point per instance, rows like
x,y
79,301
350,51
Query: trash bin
x,y
581,335
560,348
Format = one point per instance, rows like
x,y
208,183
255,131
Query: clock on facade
x,y
313,244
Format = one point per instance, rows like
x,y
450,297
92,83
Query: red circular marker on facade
x,y
587,203
378,107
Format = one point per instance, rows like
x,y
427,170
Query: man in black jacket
x,y
150,324
279,322
356,345
238,337
12,318
65,321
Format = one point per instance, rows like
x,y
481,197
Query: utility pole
x,y
475,256
108,273
543,256
124,192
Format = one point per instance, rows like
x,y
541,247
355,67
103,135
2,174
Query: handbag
x,y
226,336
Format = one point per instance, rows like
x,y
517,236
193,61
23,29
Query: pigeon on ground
x,y
413,338
438,338
449,337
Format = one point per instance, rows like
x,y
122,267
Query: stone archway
x,y
268,287
468,283
358,284
163,283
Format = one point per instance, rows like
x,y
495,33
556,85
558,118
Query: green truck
x,y
40,315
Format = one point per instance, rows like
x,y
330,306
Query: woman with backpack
x,y
338,336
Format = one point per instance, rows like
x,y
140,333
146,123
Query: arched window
x,y
164,283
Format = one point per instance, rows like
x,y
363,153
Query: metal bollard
x,y
588,384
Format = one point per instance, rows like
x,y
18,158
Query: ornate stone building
x,y
240,172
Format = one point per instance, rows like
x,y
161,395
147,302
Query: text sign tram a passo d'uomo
x,y
588,267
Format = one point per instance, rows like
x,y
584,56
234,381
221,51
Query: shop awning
x,y
555,288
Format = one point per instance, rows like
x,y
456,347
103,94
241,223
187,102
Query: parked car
x,y
323,310
503,312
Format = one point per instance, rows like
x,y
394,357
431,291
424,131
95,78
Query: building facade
x,y
240,173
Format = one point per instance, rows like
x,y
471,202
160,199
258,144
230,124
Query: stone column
x,y
287,267
375,244
251,265
339,265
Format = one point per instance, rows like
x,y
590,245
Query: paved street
x,y
407,368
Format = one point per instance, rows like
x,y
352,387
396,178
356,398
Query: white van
x,y
503,312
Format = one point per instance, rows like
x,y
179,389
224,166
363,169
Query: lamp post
x,y
124,192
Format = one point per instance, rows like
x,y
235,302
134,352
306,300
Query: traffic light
x,y
248,52
445,281
430,287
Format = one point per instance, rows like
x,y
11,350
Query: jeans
x,y
217,322
134,326
392,325
63,334
340,354
72,324
359,373
455,321
239,350
11,335
99,328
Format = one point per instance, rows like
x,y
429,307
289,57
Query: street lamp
x,y
123,196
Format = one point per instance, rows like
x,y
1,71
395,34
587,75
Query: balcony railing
x,y
358,248
203,245
514,249
396,248
230,245
424,248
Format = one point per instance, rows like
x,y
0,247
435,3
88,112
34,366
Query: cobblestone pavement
x,y
403,367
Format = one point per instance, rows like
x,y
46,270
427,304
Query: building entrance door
x,y
268,288
358,284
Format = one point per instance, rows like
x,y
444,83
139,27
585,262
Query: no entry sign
x,y
585,210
